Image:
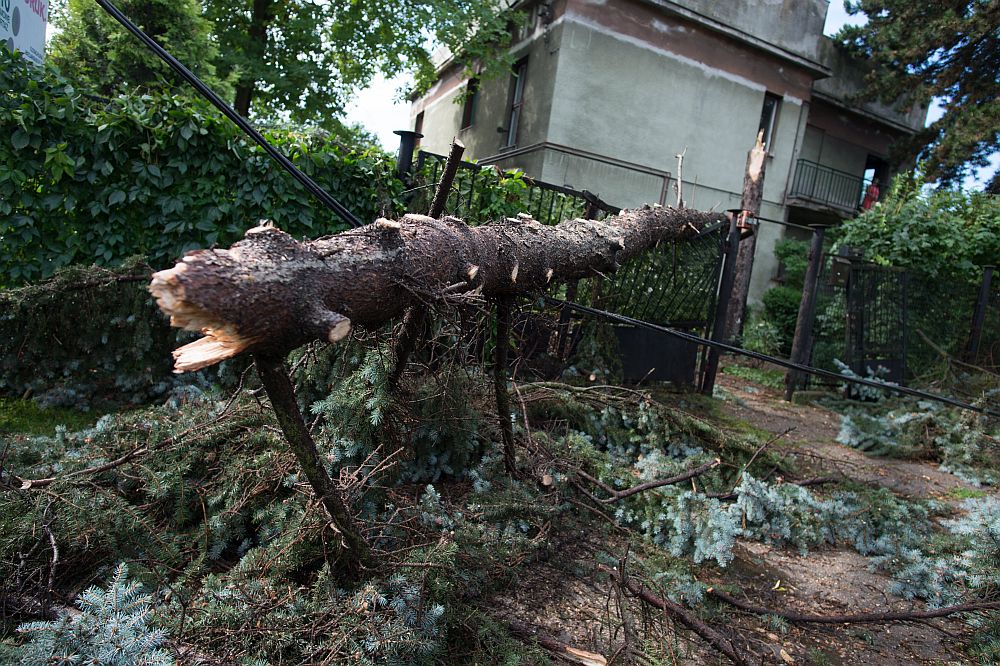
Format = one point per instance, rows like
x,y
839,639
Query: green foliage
x,y
761,335
936,50
82,182
302,59
781,310
781,303
771,378
943,235
97,53
110,630
86,334
794,257
943,239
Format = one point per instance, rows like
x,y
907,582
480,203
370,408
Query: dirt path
x,y
813,442
835,580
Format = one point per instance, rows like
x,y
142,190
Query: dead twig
x,y
859,618
686,617
556,647
649,485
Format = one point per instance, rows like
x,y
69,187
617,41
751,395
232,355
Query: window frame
x,y
516,105
772,122
471,104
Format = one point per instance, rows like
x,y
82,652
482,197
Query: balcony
x,y
829,187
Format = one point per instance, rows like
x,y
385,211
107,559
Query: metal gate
x,y
876,321
861,318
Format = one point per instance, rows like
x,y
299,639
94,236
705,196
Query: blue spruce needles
x,y
110,630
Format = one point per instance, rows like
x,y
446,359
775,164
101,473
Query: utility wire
x,y
327,199
690,337
311,186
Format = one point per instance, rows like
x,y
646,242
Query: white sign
x,y
22,27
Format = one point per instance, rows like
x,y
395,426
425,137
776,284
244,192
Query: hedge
x,y
90,181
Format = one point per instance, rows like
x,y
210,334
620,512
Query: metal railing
x,y
471,191
821,184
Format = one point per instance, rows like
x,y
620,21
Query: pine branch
x,y
686,617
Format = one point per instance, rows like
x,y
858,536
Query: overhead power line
x,y
311,186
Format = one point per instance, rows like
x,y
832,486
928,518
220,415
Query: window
x,y
418,127
768,118
516,102
471,102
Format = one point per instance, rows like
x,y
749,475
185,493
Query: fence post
x,y
802,341
719,333
404,158
979,316
447,178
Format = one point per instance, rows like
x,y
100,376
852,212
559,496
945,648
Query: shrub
x,y
781,310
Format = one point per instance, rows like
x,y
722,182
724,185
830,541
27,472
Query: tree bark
x,y
753,194
269,293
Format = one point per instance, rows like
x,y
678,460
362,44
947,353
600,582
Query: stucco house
x,y
605,93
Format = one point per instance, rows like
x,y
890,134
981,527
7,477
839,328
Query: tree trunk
x,y
753,193
261,17
269,293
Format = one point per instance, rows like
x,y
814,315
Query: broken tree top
x,y
270,293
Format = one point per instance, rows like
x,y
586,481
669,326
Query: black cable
x,y
311,186
769,359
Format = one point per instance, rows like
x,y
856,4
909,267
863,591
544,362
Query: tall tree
x,y
91,47
301,59
944,49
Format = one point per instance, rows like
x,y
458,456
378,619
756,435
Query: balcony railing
x,y
821,184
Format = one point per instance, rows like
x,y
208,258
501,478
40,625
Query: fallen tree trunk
x,y
269,293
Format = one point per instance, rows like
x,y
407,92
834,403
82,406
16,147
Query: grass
x,y
960,493
769,377
26,417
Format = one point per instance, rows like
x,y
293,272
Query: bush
x,y
781,310
88,181
943,238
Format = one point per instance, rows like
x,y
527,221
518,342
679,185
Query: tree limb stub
x,y
270,293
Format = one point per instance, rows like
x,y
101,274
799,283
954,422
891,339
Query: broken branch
x,y
649,485
686,617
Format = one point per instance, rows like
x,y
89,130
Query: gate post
x,y
404,158
802,341
979,316
726,282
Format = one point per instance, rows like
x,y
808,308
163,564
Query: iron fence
x,y
861,318
675,284
483,192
